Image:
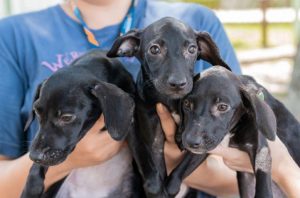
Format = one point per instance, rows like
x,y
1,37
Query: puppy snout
x,y
176,83
47,156
194,142
37,156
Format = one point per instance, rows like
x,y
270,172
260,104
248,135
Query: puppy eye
x,y
192,49
187,104
67,118
222,107
154,49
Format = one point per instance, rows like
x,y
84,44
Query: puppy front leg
x,y
262,166
34,186
189,163
159,160
143,157
258,185
261,162
246,184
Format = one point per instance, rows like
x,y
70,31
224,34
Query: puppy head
x,y
216,104
66,112
168,50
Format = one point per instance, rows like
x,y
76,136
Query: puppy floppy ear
x,y
117,108
126,45
32,113
208,50
262,114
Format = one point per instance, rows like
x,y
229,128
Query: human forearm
x,y
287,176
290,185
285,172
14,175
213,177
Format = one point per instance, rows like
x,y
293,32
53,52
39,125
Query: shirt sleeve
x,y
209,22
12,92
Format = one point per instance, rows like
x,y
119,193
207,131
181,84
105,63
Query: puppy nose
x,y
195,145
177,83
194,142
36,156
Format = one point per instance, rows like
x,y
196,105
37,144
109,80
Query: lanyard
x,y
126,24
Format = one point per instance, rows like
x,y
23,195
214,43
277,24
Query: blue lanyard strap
x,y
126,24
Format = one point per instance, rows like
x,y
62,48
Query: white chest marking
x,y
97,181
263,160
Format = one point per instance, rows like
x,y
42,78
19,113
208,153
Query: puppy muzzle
x,y
50,157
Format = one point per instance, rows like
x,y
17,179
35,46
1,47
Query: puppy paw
x,y
153,185
173,186
33,192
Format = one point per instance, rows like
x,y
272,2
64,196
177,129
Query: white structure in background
x,y
273,15
21,6
2,8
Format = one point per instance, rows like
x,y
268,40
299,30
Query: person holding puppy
x,y
34,45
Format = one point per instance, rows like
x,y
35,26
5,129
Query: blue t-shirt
x,y
34,45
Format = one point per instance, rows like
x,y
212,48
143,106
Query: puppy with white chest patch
x,y
224,107
67,105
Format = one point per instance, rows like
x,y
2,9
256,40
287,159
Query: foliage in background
x,y
237,4
214,4
248,36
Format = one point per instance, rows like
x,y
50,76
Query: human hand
x,y
235,159
285,171
94,148
239,160
173,155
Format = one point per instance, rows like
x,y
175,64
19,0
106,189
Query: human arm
x,y
285,172
88,152
224,182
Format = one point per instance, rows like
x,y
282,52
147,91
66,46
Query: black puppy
x,y
167,50
239,111
67,105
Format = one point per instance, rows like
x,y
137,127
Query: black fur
x,y
67,105
250,119
167,50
